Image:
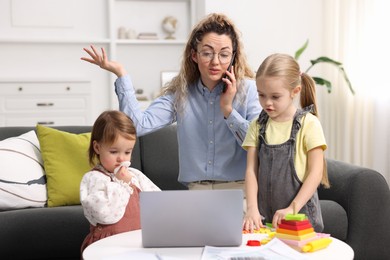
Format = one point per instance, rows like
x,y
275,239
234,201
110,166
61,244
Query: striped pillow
x,y
22,176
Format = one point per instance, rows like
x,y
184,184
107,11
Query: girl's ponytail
x,y
308,92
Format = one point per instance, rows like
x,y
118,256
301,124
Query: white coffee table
x,y
119,246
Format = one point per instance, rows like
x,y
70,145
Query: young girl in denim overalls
x,y
285,161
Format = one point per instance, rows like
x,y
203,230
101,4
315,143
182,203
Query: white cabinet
x,y
43,102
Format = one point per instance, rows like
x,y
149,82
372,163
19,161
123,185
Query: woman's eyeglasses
x,y
223,56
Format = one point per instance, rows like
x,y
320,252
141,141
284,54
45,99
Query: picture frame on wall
x,y
167,76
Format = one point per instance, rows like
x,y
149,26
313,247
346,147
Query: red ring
x,y
253,243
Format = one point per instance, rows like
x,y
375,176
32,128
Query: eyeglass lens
x,y
224,56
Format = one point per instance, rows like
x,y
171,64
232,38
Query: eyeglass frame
x,y
219,58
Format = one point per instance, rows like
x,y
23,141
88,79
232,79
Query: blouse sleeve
x,y
143,182
104,201
159,113
239,122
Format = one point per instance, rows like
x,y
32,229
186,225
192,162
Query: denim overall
x,y
277,179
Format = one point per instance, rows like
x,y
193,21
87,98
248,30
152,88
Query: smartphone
x,y
229,69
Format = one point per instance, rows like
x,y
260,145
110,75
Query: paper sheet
x,y
275,249
139,255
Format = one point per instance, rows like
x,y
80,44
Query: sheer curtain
x,y
357,126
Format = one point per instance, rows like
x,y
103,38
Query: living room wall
x,y
53,51
275,26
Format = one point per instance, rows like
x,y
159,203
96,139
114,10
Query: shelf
x,y
54,41
154,1
88,41
146,42
44,80
131,16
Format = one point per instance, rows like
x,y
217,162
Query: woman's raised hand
x,y
102,61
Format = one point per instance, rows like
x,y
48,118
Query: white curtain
x,y
357,126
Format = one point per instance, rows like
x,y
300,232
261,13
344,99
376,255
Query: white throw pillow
x,y
22,176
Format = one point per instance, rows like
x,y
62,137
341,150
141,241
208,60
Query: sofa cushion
x,y
160,158
22,177
335,219
65,157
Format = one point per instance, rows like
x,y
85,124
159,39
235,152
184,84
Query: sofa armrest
x,y
43,233
365,196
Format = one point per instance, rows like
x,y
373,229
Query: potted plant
x,y
323,59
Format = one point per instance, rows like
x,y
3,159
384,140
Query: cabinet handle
x,y
45,123
20,88
45,104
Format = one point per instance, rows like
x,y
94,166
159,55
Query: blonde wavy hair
x,y
189,72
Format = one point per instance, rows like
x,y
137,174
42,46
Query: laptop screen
x,y
191,218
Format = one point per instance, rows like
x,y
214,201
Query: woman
x,y
211,124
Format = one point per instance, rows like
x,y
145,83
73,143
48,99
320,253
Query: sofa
x,y
356,209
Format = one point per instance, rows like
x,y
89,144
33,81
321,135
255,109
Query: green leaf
x,y
339,65
347,80
322,82
301,50
325,60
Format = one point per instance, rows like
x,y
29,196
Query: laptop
x,y
191,218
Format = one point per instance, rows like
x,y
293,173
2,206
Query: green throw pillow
x,y
65,158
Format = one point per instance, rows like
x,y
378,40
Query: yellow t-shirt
x,y
309,136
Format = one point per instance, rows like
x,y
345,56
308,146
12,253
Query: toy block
x,y
292,237
294,232
322,235
265,240
298,243
298,217
253,243
269,225
295,223
295,227
317,245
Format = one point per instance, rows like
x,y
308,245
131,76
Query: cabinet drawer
x,y
44,104
45,88
45,120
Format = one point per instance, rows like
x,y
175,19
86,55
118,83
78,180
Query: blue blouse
x,y
209,145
